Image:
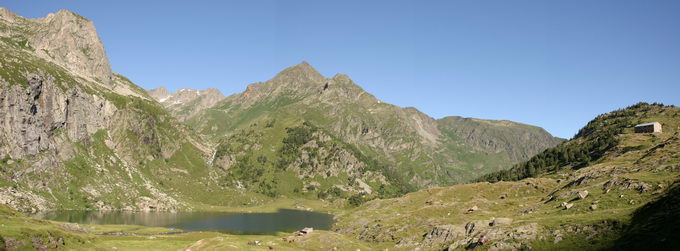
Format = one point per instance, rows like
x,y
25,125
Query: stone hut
x,y
651,127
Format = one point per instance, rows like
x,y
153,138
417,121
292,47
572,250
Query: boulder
x,y
583,194
472,209
568,205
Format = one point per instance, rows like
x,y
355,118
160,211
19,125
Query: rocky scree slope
x,y
418,149
625,189
186,102
74,135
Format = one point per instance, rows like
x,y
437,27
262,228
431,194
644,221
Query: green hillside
x,y
622,197
407,144
603,138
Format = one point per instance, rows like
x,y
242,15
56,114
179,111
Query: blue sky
x,y
554,64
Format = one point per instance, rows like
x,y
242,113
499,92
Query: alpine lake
x,y
283,220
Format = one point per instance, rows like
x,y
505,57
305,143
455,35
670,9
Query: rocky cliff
x,y
74,135
64,38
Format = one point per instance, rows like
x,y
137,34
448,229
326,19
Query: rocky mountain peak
x,y
302,72
64,14
341,77
158,93
8,16
64,38
186,102
72,41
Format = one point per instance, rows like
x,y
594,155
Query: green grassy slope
x,y
547,212
595,142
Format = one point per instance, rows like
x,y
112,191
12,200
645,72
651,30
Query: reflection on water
x,y
284,220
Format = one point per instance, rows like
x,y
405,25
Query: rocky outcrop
x,y
492,234
25,201
31,117
64,38
321,163
443,235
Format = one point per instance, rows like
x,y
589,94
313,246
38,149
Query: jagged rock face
x,y
64,38
47,131
425,151
31,117
186,102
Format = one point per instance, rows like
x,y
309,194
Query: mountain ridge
x,y
186,102
357,117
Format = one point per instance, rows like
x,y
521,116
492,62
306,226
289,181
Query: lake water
x,y
284,220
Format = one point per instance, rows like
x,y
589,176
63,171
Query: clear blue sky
x,y
555,64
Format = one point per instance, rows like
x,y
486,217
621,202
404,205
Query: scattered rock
x,y
593,207
441,235
558,236
627,184
11,243
644,187
580,181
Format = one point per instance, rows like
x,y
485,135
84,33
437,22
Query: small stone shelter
x,y
650,127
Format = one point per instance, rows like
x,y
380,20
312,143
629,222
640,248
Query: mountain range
x,y
67,115
74,135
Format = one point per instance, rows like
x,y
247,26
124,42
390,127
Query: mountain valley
x,y
76,136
